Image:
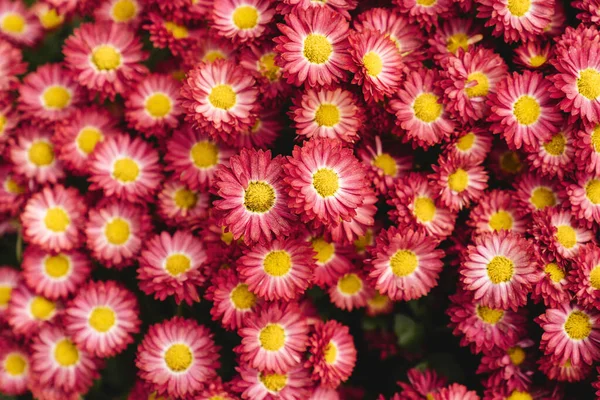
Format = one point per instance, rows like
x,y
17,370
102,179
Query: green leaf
x,y
407,330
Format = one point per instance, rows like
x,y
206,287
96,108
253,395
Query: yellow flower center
x,y
155,396
327,115
177,264
373,63
158,105
516,354
500,269
510,162
592,191
330,353
350,284
456,41
185,198
205,154
386,163
317,49
596,138
267,67
273,382
5,292
66,354
566,236
277,263
518,395
326,182
489,315
50,19
482,86
245,17
106,58
272,337
542,197
526,110
424,209
378,301
578,325
177,31
519,8
41,153
242,298
213,55
427,108
537,60
13,23
2,124
179,357
426,3
259,197
57,220
458,180
13,187
88,138
57,266
363,241
588,83
56,97
404,263
595,277
117,231
102,319
123,10
222,97
226,237
465,143
555,272
42,308
15,364
325,250
501,220
126,170
556,145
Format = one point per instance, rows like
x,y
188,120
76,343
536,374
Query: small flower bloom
x,y
422,383
584,279
426,13
173,32
32,155
459,182
332,260
563,372
555,157
254,384
126,12
260,59
14,368
534,54
552,286
17,24
350,291
455,391
12,193
537,193
454,34
385,168
9,280
28,313
516,20
498,210
180,206
349,231
242,20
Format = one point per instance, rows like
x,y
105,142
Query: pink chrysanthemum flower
x,y
405,265
171,265
563,372
587,148
379,304
350,291
356,227
454,34
459,182
12,193
17,24
260,59
419,111
14,368
333,354
274,338
323,113
232,300
469,78
105,57
340,6
499,270
555,157
9,118
115,232
9,280
415,204
281,269
263,133
505,163
173,32
384,168
522,110
53,218
210,50
125,168
152,107
325,182
425,13
49,94
584,196
11,65
571,334
242,20
484,328
220,97
379,64
177,357
313,47
332,260
584,279
32,155
48,16
27,313
498,210
512,368
181,207
537,193
516,20
254,384
102,318
126,12
455,391
534,54
216,390
552,286
422,383
77,137
55,276
253,202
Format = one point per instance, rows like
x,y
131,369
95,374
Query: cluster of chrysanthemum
x,y
166,164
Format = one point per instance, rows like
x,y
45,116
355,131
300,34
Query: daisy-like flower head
x,y
425,12
505,163
534,54
350,290
469,77
12,193
274,338
126,12
32,155
48,16
454,34
326,183
194,157
180,206
571,333
253,201
379,64
555,157
516,19
563,372
484,328
419,111
253,383
232,300
58,362
216,390
584,197
53,218
173,32
11,65
125,168
171,265
512,367
591,11
584,279
471,145
220,97
570,37
152,107
17,24
323,113
422,383
14,368
55,276
499,270
498,210
242,20
210,50
49,94
115,232
27,313
455,391
537,193
333,354
263,133
357,226
177,357
405,265
522,110
332,260
552,287
587,148
102,318
342,7
105,57
384,168
282,269
260,59
459,182
313,47
9,280
379,304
